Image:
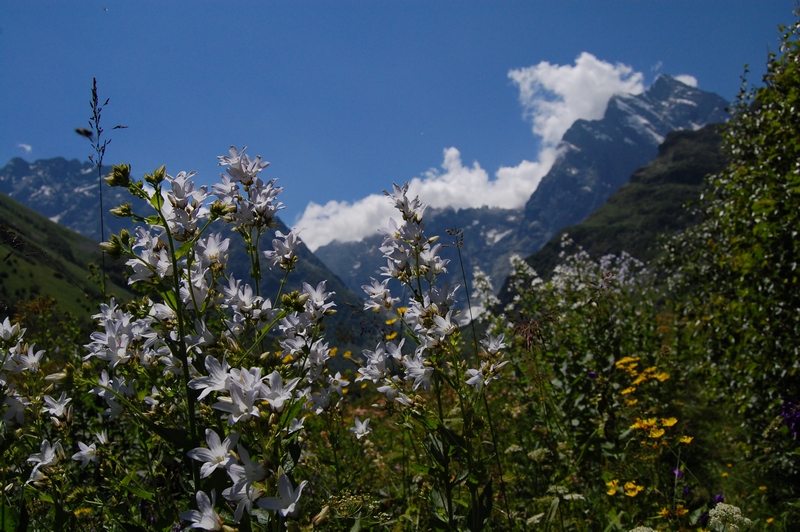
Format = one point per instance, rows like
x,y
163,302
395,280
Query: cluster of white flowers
x,y
172,336
414,260
491,366
20,360
243,473
15,359
727,517
174,255
255,203
577,273
184,341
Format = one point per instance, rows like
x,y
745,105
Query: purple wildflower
x,y
791,418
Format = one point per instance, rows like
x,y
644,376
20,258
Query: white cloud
x,y
555,96
687,79
552,96
27,147
455,185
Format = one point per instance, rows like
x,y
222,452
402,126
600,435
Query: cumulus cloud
x,y
454,185
27,147
553,97
687,79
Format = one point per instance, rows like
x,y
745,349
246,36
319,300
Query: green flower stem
x,y
445,476
497,458
181,348
150,469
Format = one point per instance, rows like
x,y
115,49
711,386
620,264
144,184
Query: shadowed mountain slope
x,y
651,204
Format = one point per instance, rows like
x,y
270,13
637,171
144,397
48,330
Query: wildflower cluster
x,y
429,317
17,359
435,364
629,488
195,352
727,517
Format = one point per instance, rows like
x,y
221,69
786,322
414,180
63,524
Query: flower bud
x,y
56,377
219,209
123,211
125,238
157,176
322,516
120,176
294,301
113,248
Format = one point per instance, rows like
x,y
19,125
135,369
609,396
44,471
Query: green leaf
x,y
184,249
357,525
480,514
129,483
9,516
456,441
435,448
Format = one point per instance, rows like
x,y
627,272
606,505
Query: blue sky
x,y
344,98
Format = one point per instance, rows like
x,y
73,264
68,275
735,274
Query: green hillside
x,y
650,204
41,258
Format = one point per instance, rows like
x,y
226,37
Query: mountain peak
x,y
603,153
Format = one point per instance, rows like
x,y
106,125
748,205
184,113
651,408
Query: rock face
x,y
483,232
596,158
650,205
66,192
599,156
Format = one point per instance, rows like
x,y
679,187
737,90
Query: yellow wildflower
x,y
680,511
628,364
632,401
770,520
631,489
644,424
668,422
725,474
333,352
625,360
348,354
391,321
612,486
665,512
656,432
626,391
391,335
639,380
686,439
638,425
762,488
662,376
288,359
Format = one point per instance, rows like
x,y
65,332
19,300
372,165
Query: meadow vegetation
x,y
611,396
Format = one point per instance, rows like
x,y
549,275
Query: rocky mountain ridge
x,y
597,157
